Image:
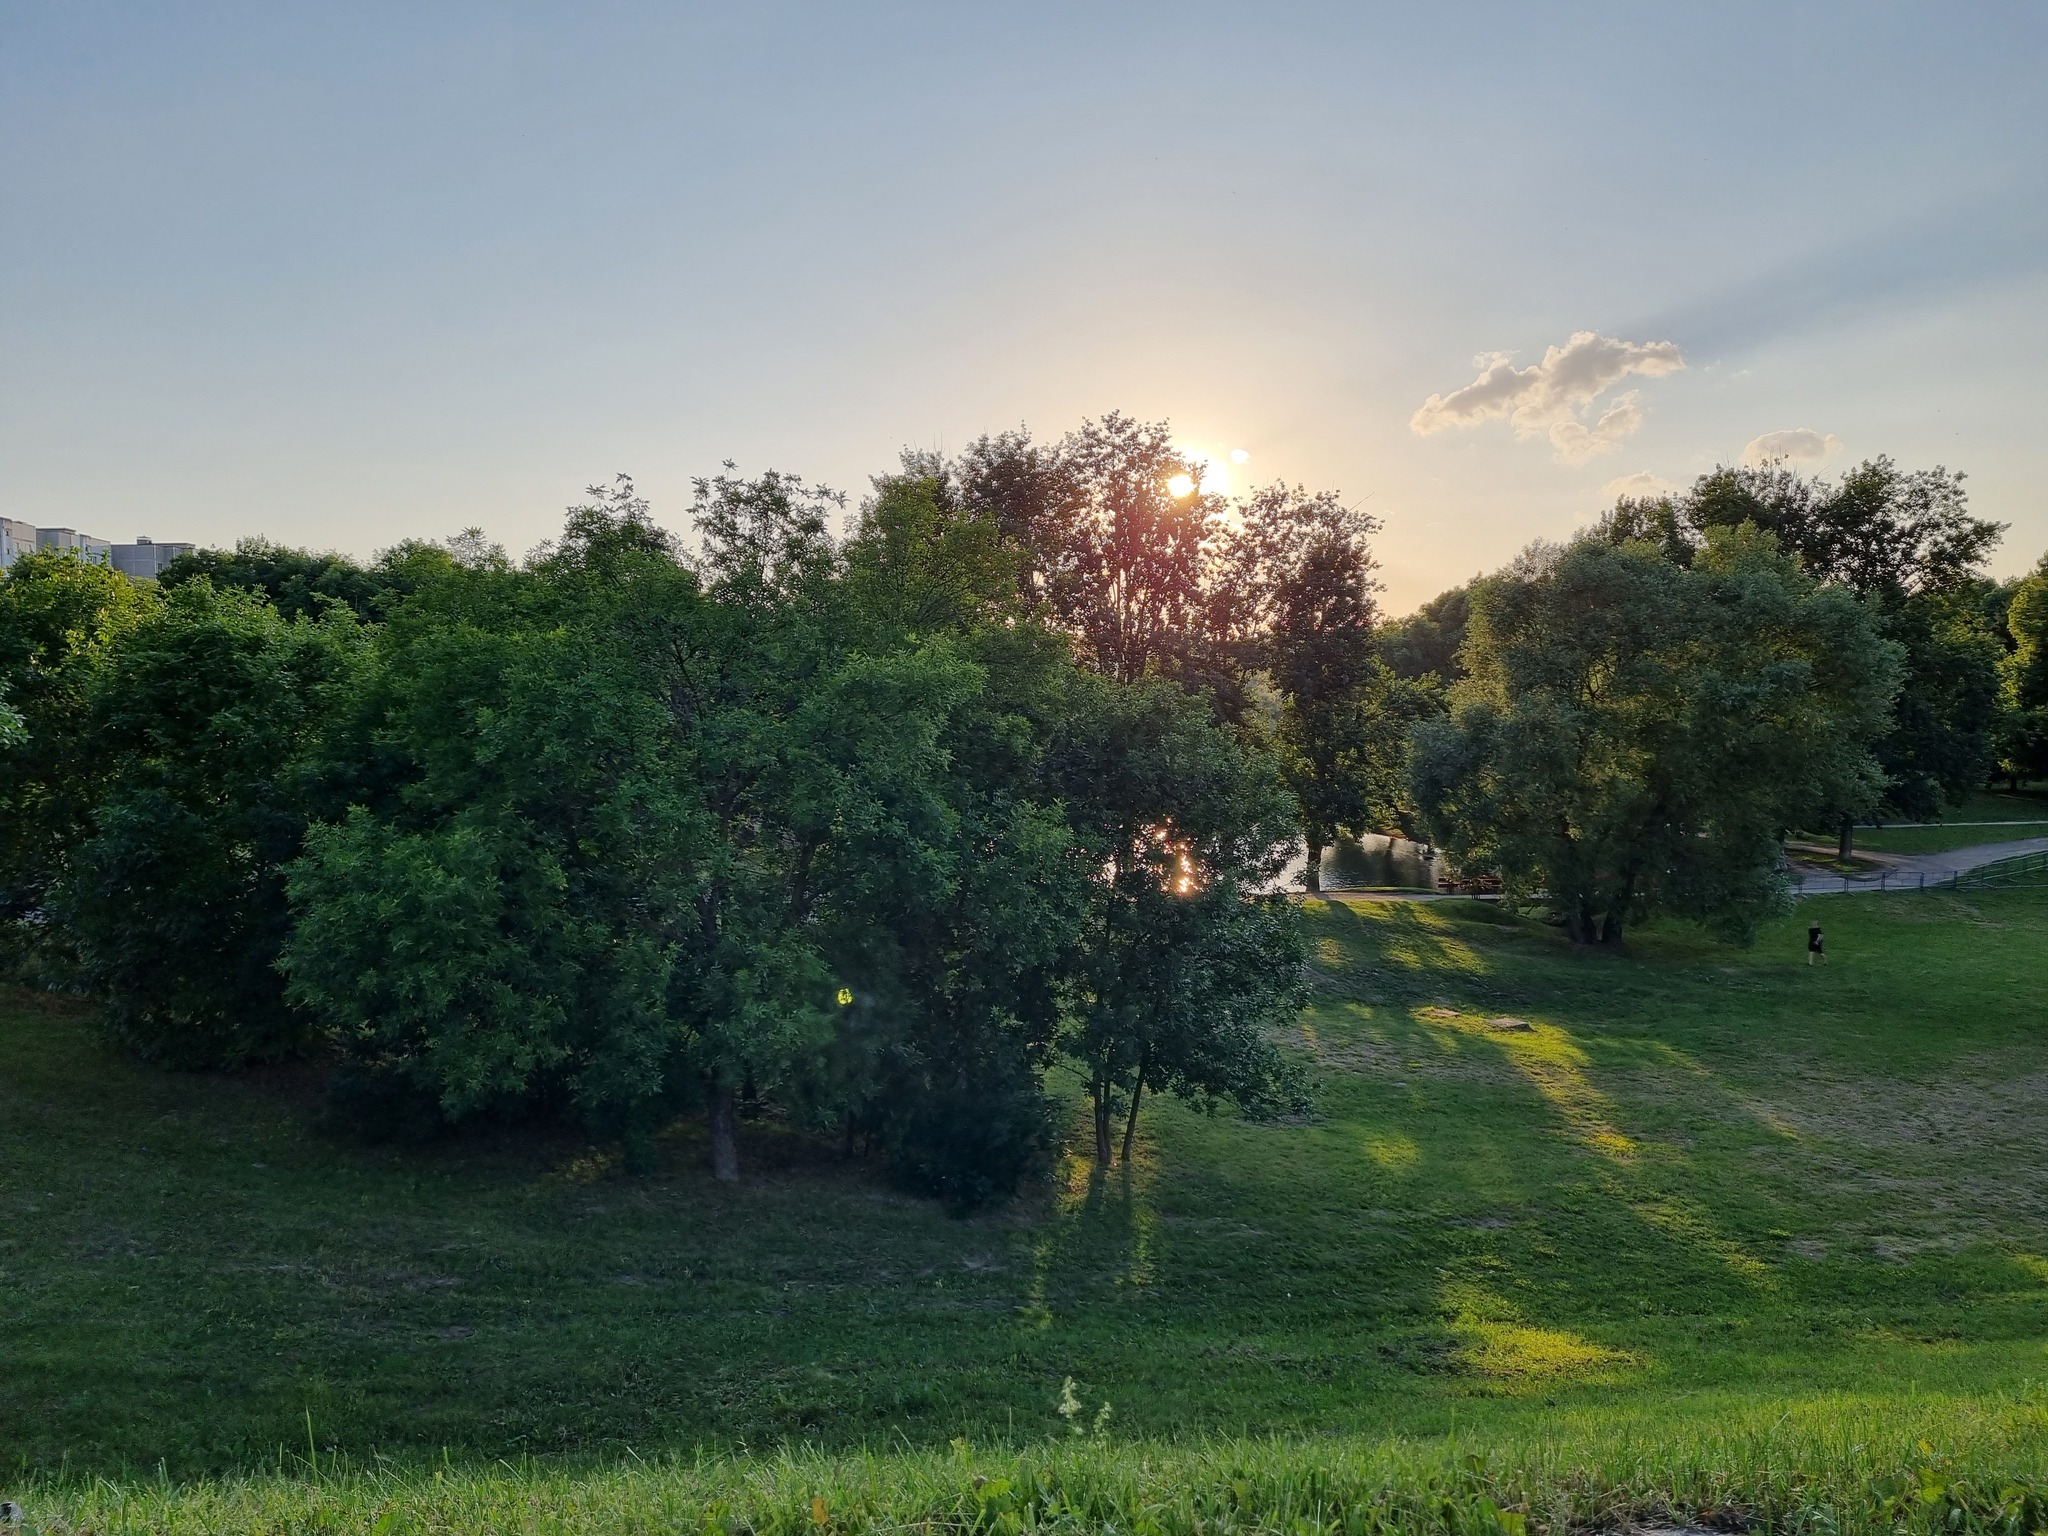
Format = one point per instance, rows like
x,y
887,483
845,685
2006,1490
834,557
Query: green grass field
x,y
1711,1215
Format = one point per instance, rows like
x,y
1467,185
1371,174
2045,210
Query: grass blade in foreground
x,y
1833,1465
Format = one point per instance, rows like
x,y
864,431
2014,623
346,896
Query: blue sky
x,y
345,274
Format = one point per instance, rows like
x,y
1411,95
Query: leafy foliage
x,y
2023,726
1635,735
58,618
1182,972
1426,643
650,821
1299,581
1905,542
866,833
176,898
301,584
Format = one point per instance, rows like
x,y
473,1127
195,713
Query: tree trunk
x,y
1617,914
1582,923
1102,1127
1312,874
1847,845
725,1148
1131,1120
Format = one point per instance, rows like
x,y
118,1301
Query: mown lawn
x,y
1702,1184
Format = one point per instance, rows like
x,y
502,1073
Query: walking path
x,y
2023,821
1898,872
1912,871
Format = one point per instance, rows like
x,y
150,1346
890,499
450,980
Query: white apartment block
x,y
94,551
144,560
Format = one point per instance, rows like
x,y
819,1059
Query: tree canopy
x,y
870,819
1636,735
1906,543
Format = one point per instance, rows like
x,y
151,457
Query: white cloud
x,y
1576,442
1640,486
1546,398
1796,444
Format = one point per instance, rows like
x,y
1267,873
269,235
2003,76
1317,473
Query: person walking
x,y
1816,952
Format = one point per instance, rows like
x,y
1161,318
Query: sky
x,y
343,275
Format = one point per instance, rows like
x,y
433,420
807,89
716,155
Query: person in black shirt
x,y
1815,953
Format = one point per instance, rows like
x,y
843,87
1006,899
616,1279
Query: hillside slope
x,y
1699,1180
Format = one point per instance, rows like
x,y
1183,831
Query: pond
x,y
1360,863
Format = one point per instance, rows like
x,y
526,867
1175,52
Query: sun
x,y
1182,486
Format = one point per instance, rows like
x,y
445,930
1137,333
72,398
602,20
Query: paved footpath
x,y
1909,871
1900,872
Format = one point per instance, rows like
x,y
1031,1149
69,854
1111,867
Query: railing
x,y
1805,884
2023,870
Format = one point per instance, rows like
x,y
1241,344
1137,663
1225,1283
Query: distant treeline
x,y
870,832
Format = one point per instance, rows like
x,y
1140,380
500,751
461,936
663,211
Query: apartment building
x,y
88,547
16,539
144,560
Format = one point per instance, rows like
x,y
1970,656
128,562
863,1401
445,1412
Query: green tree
x,y
1906,543
648,819
2023,724
1181,971
924,561
1304,567
13,731
1635,735
302,583
197,716
58,615
1879,530
1425,645
957,991
494,927
1115,532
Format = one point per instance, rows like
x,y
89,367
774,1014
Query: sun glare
x,y
1239,456
1181,486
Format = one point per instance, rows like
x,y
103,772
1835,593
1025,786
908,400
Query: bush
x,y
969,1138
179,923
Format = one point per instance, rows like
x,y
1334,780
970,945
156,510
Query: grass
x,y
1840,1466
1711,1215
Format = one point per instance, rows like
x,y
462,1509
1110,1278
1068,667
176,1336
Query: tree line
x,y
874,832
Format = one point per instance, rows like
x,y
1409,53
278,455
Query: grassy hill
x,y
1671,1198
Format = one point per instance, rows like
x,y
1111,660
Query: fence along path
x,y
1988,865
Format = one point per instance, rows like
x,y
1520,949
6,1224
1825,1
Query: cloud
x,y
1546,398
1796,444
1576,442
1640,486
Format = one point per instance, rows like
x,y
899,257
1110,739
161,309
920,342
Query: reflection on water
x,y
1356,863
